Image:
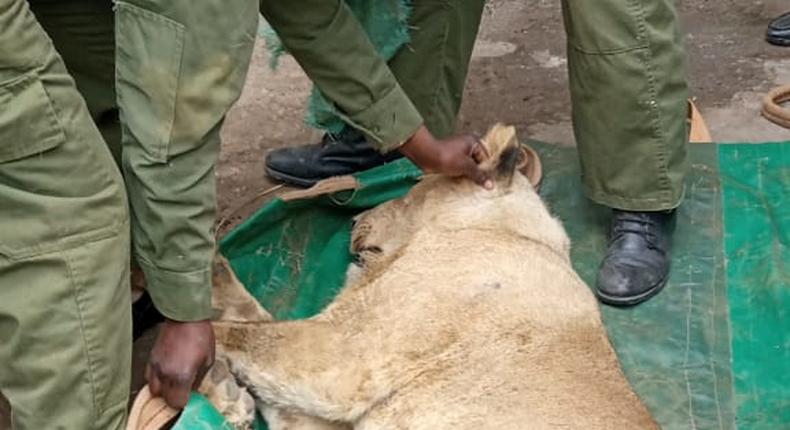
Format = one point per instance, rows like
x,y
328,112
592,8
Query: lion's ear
x,y
499,138
510,161
504,151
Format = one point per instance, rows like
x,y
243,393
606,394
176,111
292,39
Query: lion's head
x,y
513,207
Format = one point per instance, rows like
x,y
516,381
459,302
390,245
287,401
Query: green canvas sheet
x,y
710,352
757,215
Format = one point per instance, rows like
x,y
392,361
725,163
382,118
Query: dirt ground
x,y
518,76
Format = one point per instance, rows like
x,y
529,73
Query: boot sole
x,y
778,41
290,179
631,300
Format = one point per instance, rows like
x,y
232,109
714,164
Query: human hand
x,y
182,354
454,156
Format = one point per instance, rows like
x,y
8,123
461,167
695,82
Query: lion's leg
x,y
309,366
238,407
232,401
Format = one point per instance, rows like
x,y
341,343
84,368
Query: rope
x,y
772,109
223,221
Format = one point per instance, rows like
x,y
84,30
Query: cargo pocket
x,y
604,26
57,180
149,48
28,126
28,123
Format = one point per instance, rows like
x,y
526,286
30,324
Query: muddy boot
x,y
779,31
341,154
636,266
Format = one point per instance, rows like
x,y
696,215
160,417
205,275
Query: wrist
x,y
421,149
418,141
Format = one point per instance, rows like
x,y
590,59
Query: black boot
x,y
342,154
779,31
636,266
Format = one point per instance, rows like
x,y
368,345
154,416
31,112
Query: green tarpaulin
x,y
757,242
710,352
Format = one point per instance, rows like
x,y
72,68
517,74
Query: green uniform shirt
x,y
178,70
333,49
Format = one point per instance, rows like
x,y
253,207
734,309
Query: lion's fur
x,y
463,313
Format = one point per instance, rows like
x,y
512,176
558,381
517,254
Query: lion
x,y
462,311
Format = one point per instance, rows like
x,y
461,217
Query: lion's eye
x,y
357,259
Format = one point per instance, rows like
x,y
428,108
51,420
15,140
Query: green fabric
x,y
626,70
432,69
423,82
331,45
169,149
88,56
173,96
708,352
386,25
65,316
674,348
289,234
626,67
199,414
757,214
